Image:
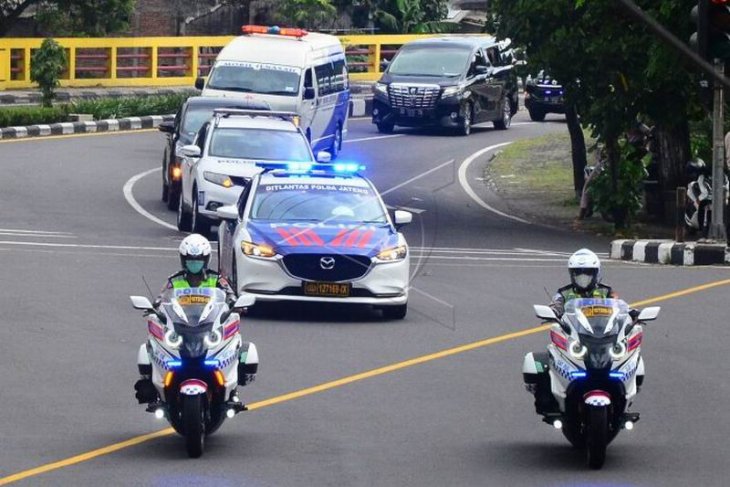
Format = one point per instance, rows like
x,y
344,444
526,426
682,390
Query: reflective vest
x,y
599,292
182,283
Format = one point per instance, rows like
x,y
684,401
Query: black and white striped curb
x,y
114,125
670,252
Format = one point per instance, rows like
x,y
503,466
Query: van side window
x,y
477,60
493,55
339,71
308,79
324,74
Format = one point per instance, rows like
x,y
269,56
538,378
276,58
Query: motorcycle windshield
x,y
195,306
598,322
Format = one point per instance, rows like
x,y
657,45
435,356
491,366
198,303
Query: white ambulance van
x,y
291,70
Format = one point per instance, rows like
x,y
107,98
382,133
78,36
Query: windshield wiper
x,y
232,88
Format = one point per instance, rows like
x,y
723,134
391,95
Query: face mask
x,y
194,266
583,280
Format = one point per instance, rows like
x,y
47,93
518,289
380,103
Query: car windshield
x,y
596,317
301,201
430,61
265,79
260,144
187,306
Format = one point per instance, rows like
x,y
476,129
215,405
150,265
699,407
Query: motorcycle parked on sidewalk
x,y
587,380
698,209
195,358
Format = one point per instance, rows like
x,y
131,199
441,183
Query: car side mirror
x,y
199,83
309,93
481,70
545,313
324,157
191,150
228,212
140,302
649,314
384,64
167,127
402,218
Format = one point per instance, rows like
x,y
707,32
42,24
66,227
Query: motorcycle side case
x,y
535,369
248,363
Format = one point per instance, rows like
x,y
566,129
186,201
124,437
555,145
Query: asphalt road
x,y
72,249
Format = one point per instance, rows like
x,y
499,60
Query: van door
x,y
478,84
497,79
308,108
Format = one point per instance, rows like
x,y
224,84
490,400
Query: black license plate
x,y
327,289
411,112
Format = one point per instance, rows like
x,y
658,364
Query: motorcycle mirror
x,y
245,301
649,314
140,302
545,312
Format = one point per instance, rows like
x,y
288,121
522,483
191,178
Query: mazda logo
x,y
327,263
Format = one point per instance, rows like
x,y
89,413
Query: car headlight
x,y
451,91
381,88
577,350
219,179
257,250
392,254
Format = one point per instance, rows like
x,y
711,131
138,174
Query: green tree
x,y
308,14
93,18
46,67
411,16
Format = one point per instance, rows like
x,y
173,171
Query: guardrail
x,y
164,61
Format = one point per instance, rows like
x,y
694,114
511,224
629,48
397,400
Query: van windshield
x,y
265,79
430,61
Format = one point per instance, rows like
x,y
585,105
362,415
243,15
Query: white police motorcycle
x,y
591,373
195,358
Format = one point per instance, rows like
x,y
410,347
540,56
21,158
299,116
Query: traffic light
x,y
712,20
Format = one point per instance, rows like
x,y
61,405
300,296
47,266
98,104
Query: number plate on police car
x,y
327,289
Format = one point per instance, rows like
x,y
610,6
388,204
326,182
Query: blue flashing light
x,y
617,375
578,374
174,363
309,167
274,29
547,92
348,167
211,362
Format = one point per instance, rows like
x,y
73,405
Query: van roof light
x,y
274,30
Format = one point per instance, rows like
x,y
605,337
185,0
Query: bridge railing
x,y
164,61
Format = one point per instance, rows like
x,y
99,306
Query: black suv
x,y
543,95
448,82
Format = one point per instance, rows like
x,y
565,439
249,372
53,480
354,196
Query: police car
x,y
317,233
223,158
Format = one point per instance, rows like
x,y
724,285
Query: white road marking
x,y
376,137
468,189
33,235
417,177
127,189
39,232
87,246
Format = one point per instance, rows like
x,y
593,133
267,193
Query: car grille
x,y
404,96
309,267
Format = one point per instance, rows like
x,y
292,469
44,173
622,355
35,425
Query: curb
x,y
669,252
359,107
112,125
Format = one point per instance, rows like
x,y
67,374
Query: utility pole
x,y
717,225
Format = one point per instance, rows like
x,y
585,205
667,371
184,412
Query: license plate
x,y
411,112
327,289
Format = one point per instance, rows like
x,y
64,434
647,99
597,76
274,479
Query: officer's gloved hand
x,y
634,313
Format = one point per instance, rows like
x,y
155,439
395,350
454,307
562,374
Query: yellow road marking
x,y
334,384
69,136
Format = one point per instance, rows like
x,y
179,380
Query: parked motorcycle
x,y
698,209
591,373
195,358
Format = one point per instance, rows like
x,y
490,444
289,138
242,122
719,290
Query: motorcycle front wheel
x,y
193,424
597,436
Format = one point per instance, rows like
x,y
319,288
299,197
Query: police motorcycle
x,y
195,358
698,208
591,373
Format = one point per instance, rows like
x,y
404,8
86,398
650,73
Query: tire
x,y
193,424
183,217
514,105
233,278
336,143
536,115
173,197
165,192
385,127
506,120
395,312
198,222
465,127
597,436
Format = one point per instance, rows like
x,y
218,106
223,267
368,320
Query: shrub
x,y
46,67
103,108
20,116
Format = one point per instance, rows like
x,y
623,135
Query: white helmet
x,y
585,269
194,253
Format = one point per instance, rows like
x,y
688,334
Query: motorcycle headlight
x,y
381,88
451,91
173,340
577,350
257,250
219,179
618,351
392,254
212,339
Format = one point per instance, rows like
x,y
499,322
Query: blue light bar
x,y
174,363
617,375
211,362
578,374
306,167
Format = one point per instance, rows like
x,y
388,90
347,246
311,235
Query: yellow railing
x,y
163,61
